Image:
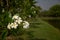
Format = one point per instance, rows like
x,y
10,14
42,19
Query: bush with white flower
x,y
17,21
16,27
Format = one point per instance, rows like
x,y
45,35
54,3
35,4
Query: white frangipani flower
x,y
18,21
14,25
15,17
9,26
25,25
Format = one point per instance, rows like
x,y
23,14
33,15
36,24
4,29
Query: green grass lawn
x,y
43,30
55,21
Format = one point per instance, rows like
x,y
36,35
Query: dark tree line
x,y
53,11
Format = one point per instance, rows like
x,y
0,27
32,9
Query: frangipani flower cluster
x,y
17,21
25,24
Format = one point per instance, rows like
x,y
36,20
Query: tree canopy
x,y
55,11
23,7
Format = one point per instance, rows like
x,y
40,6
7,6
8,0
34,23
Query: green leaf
x,y
4,34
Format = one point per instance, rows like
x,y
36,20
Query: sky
x,y
46,4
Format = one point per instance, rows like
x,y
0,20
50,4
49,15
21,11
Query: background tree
x,y
55,11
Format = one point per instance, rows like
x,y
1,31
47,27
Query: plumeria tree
x,y
15,27
13,14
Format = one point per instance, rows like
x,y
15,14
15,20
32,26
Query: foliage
x,y
55,11
8,8
23,7
15,28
